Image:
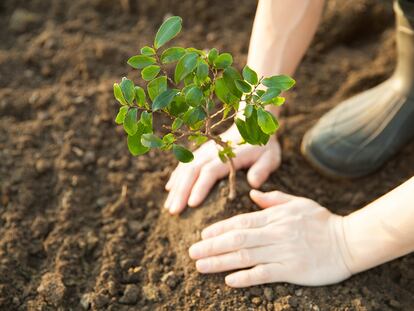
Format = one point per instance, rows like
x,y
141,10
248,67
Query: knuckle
x,y
244,222
238,238
260,274
244,257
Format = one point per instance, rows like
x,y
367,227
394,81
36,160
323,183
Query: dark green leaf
x,y
134,142
177,124
141,61
182,154
202,70
185,65
281,82
178,106
151,141
118,94
267,121
194,115
241,126
150,72
127,87
194,96
223,93
223,60
172,54
168,30
140,96
250,75
130,122
164,99
212,55
230,75
120,117
270,94
257,136
156,87
243,86
146,50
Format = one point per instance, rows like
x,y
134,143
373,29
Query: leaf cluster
x,y
204,91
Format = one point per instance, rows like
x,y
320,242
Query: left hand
x,y
292,240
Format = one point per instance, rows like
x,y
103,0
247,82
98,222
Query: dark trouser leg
x,y
362,133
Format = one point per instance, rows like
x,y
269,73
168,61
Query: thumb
x,y
261,169
268,199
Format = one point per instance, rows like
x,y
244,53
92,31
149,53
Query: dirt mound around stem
x,y
81,221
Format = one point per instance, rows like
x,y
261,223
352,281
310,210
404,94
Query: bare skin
x,y
295,240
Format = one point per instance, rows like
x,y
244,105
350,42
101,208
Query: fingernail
x,y
202,265
230,280
194,251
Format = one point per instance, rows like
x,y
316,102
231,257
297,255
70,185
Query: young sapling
x,y
204,92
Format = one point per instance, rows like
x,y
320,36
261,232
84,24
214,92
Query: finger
x,y
209,174
243,258
261,169
260,274
170,181
243,221
269,199
231,241
182,188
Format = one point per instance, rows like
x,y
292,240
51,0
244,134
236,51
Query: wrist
x,y
340,239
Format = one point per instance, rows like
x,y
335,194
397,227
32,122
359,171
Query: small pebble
x,y
130,295
395,304
257,301
268,293
299,292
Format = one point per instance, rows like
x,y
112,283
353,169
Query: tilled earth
x,y
81,221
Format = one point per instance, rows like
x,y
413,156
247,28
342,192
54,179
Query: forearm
x,y
282,32
381,231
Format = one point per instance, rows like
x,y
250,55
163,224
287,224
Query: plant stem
x,y
232,180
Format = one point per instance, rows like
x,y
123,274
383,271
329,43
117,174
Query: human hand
x,y
293,240
190,183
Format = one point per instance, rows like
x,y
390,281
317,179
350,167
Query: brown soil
x,y
69,239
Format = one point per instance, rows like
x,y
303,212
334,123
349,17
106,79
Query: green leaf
x,y
185,65
230,75
151,141
118,94
270,94
172,55
140,96
278,101
241,126
182,154
223,60
168,30
248,110
148,51
130,122
177,124
120,117
134,142
250,75
141,61
146,120
150,72
202,70
198,139
267,121
178,106
282,82
194,96
156,87
164,99
194,115
243,86
223,93
212,55
168,139
127,87
257,136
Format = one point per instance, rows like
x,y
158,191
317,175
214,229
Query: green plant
x,y
204,91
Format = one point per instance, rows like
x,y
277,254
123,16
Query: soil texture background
x,y
81,221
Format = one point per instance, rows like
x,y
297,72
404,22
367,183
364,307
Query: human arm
x,y
298,241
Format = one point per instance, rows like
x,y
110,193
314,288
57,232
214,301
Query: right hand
x,y
190,183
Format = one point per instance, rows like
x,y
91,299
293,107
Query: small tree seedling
x,y
204,91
